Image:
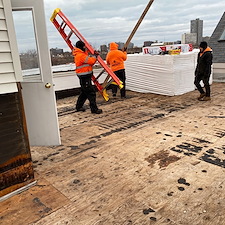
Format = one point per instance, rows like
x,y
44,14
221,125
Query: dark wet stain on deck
x,y
163,158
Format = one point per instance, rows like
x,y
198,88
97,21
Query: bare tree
x,y
29,59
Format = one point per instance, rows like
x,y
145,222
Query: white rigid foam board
x,y
161,74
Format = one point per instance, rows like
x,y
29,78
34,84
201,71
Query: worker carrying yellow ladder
x,y
63,26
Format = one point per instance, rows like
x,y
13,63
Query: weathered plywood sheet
x,y
32,205
148,159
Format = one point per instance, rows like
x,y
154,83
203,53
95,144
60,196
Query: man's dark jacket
x,y
204,63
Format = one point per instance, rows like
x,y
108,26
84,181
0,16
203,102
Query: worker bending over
x,y
115,59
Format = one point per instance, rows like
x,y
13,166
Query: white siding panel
x,y
8,61
2,15
7,78
4,47
5,57
6,68
4,35
2,24
10,46
8,88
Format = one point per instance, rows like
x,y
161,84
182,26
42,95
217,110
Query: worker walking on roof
x,y
84,71
203,71
115,59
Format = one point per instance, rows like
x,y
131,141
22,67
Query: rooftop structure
x,y
197,27
217,41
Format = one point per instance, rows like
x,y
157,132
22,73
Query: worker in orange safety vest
x,y
115,59
84,70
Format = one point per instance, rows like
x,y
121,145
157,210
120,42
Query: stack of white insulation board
x,y
161,74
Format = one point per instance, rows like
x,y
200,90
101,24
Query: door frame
x,y
39,96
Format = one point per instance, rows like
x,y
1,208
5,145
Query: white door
x,y
37,87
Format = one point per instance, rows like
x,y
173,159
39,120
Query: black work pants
x,y
205,80
122,76
87,92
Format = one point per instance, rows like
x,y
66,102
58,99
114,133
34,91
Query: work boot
x,y
206,98
98,111
201,96
82,109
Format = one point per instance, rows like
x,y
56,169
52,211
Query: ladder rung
x,y
62,25
100,74
69,35
62,28
107,84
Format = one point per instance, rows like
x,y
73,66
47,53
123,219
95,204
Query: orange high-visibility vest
x,y
83,62
115,58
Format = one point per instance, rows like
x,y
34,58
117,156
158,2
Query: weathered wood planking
x,y
149,159
32,205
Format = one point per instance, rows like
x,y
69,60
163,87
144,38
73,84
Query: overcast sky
x,y
105,21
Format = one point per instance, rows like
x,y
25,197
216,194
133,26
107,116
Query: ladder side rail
x,y
68,41
63,34
97,84
76,32
110,72
89,47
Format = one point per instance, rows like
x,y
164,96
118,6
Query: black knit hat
x,y
203,44
80,45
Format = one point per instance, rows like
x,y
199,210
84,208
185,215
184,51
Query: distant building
x,y
56,51
195,35
178,42
134,50
197,27
157,44
169,43
103,48
206,38
148,43
131,45
190,38
103,51
121,45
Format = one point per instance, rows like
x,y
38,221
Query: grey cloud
x,y
103,21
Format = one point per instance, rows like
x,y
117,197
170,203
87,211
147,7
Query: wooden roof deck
x,y
148,159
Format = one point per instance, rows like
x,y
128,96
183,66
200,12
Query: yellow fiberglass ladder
x,y
67,29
